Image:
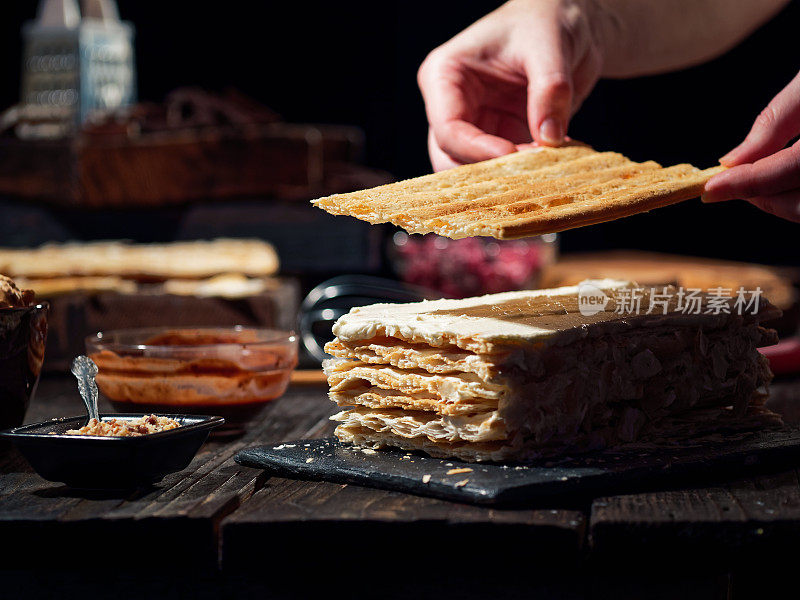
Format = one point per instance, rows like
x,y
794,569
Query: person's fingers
x,y
439,159
512,127
449,110
786,205
466,143
527,146
547,67
766,177
584,78
534,145
778,123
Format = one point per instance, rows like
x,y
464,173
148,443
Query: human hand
x,y
513,77
763,170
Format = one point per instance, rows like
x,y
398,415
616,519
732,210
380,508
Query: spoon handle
x,y
85,370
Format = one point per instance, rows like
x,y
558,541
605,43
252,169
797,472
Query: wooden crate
x,y
177,166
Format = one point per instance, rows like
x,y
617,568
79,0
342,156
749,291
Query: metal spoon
x,y
85,371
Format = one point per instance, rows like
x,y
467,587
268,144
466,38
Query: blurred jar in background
x,y
471,266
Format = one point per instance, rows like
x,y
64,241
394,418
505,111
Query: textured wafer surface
x,y
481,427
395,352
526,193
181,260
451,387
695,426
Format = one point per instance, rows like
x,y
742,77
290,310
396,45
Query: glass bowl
x,y
232,372
471,266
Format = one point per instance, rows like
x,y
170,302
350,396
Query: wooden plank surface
x,y
433,548
744,521
49,522
288,512
46,521
288,515
217,508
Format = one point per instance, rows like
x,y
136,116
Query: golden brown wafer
x,y
198,259
527,193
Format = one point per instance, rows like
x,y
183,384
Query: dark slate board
x,y
611,471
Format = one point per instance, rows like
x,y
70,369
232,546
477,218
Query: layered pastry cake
x,y
521,375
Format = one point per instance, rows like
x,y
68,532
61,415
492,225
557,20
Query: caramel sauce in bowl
x,y
231,372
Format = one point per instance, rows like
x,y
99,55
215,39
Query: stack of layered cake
x,y
521,375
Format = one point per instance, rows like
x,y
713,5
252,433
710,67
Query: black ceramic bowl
x,y
95,462
23,333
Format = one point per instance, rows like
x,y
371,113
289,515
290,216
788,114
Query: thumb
x,y
550,91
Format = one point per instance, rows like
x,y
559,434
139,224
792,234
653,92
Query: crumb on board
x,y
462,483
308,460
426,478
368,451
461,470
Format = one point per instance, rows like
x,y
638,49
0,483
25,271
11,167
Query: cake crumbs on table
x,y
461,470
426,478
368,451
462,483
308,460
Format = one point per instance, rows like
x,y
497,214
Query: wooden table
x,y
218,527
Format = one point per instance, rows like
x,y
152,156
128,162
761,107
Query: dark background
x,y
355,62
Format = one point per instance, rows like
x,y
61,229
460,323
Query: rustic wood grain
x,y
698,542
357,540
279,160
47,521
754,519
289,513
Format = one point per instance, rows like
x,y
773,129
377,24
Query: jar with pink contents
x,y
471,266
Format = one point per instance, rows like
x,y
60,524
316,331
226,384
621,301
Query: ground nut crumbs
x,y
123,428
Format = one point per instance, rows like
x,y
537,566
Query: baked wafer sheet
x,y
531,192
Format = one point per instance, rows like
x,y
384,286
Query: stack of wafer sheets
x,y
526,374
526,193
